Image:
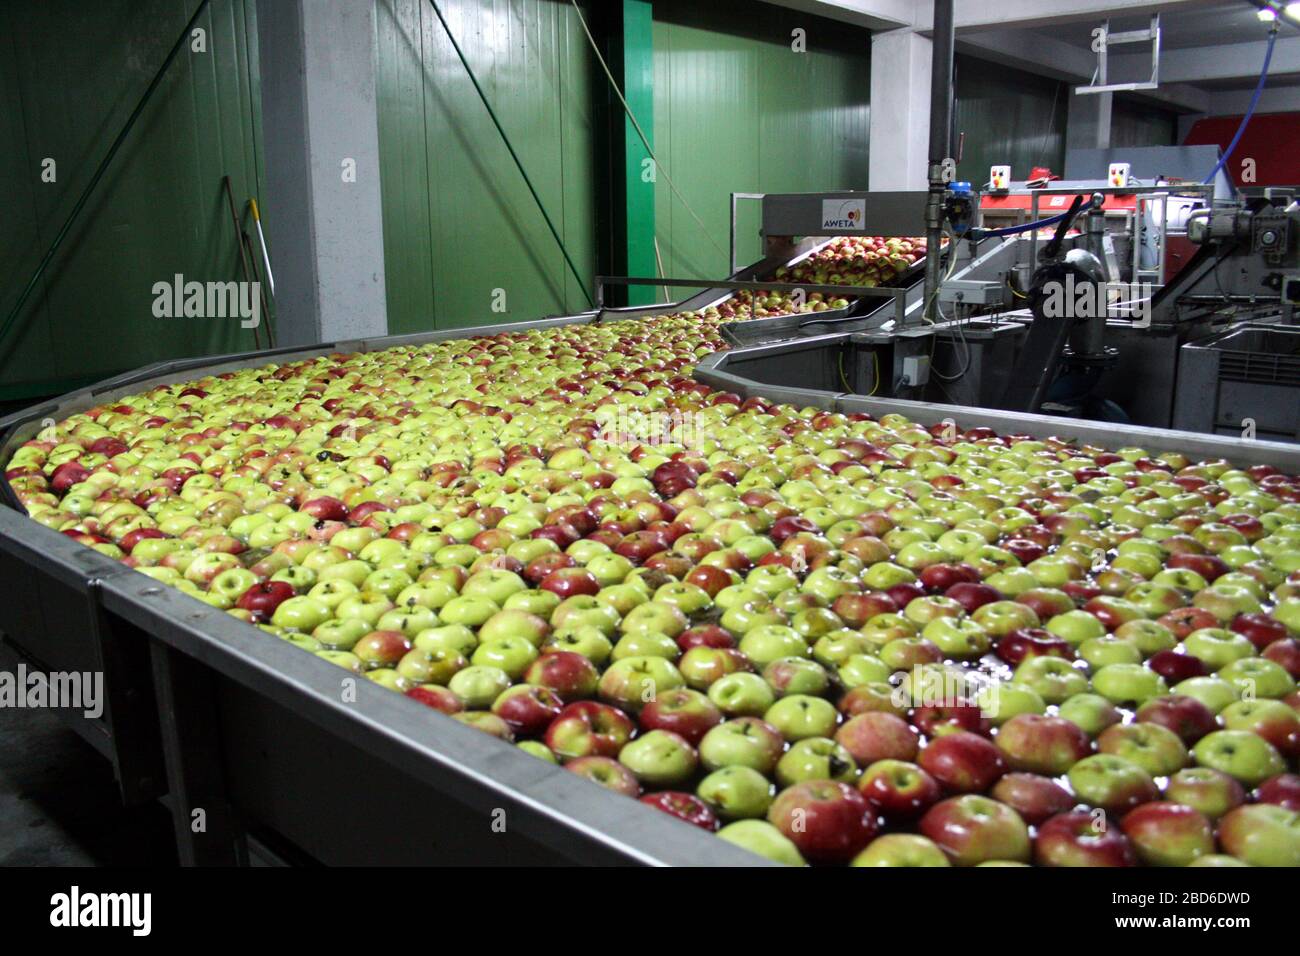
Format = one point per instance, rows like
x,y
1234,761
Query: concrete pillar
x,y
1087,125
320,120
900,111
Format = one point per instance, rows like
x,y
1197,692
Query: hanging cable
x,y
555,234
1250,110
99,173
659,167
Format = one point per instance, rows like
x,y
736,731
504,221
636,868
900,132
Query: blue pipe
x,y
1250,110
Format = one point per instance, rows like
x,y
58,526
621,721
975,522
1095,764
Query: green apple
x,y
588,641
800,716
742,695
1155,748
1149,637
862,669
659,758
510,654
1128,683
1262,834
635,681
1091,712
411,619
964,639
763,839
901,849
1108,649
368,606
533,601
301,613
1214,692
468,610
609,568
771,642
1000,618
742,742
538,749
1217,647
999,701
815,758
1076,627
1240,754
340,635
736,793
646,644
1258,677
478,686
451,637
1052,678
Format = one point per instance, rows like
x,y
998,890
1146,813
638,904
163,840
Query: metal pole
x,y
940,136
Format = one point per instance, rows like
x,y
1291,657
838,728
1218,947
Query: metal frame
x,y
1098,83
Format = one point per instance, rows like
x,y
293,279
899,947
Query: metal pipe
x,y
940,143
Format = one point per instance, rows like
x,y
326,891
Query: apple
x,y
741,694
1211,792
1052,678
796,675
829,821
528,709
1076,838
479,686
570,675
1034,797
635,681
659,758
484,721
1283,790
736,793
964,762
899,789
875,736
685,712
1092,712
1032,642
262,599
1168,834
571,581
586,729
1241,754
799,716
1262,835
1270,720
763,839
971,829
610,774
901,849
1185,716
742,742
1128,683
815,758
1286,654
439,698
1111,783
685,807
1041,744
1260,629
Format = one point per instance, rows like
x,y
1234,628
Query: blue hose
x,y
1250,110
1023,227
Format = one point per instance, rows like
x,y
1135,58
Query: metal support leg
x,y
207,833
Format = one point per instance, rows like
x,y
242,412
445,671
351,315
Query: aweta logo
x,y
843,213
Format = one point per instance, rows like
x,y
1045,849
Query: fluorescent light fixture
x,y
1291,10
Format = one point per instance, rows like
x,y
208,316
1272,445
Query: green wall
x,y
736,110
68,79
458,220
1138,124
1008,116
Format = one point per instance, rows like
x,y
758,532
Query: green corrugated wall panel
x,y
71,73
1139,124
1008,116
737,110
458,220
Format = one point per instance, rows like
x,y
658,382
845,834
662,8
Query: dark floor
x,y
58,800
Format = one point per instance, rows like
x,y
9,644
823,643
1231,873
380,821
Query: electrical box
x,y
1118,174
973,292
916,370
1000,177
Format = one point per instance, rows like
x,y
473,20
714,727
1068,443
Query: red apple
x,y
588,728
1283,790
607,772
1077,838
972,596
901,790
570,675
527,708
1034,797
685,712
684,806
878,736
1186,716
829,821
963,762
